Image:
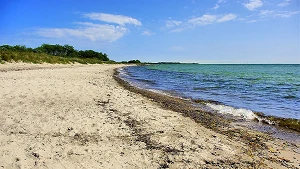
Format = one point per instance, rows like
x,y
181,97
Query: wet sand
x,y
83,116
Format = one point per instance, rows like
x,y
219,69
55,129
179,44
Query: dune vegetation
x,y
53,54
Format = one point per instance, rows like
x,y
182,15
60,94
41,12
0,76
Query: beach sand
x,y
79,116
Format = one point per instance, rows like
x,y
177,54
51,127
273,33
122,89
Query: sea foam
x,y
239,112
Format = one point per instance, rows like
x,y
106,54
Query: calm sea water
x,y
271,89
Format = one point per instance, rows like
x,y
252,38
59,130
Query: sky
x,y
202,31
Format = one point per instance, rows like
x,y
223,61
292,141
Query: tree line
x,y
58,50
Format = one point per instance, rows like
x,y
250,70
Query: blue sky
x,y
204,31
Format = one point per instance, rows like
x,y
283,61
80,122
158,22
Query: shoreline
x,y
79,116
210,119
289,124
216,121
176,104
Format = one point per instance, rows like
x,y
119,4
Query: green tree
x,y
134,61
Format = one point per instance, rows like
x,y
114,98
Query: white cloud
x,y
287,14
226,18
207,19
277,14
251,21
203,20
172,23
284,3
87,30
253,4
216,7
110,18
266,13
147,33
178,29
210,19
94,32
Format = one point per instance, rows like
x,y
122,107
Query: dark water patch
x,y
200,88
206,101
146,81
290,97
251,78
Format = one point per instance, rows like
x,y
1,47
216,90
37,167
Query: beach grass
x,y
37,58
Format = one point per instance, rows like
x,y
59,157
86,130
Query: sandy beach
x,y
79,116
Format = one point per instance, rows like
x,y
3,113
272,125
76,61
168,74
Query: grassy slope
x,y
30,57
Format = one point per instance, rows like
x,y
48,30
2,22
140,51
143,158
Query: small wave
x,y
222,109
289,97
146,81
122,72
200,88
252,78
239,112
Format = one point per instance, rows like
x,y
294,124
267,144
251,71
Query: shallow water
x,y
271,89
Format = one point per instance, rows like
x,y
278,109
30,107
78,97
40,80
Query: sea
x,y
235,89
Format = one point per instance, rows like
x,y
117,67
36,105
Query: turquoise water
x,y
270,89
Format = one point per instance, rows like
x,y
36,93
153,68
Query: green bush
x,y
51,54
31,57
134,61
